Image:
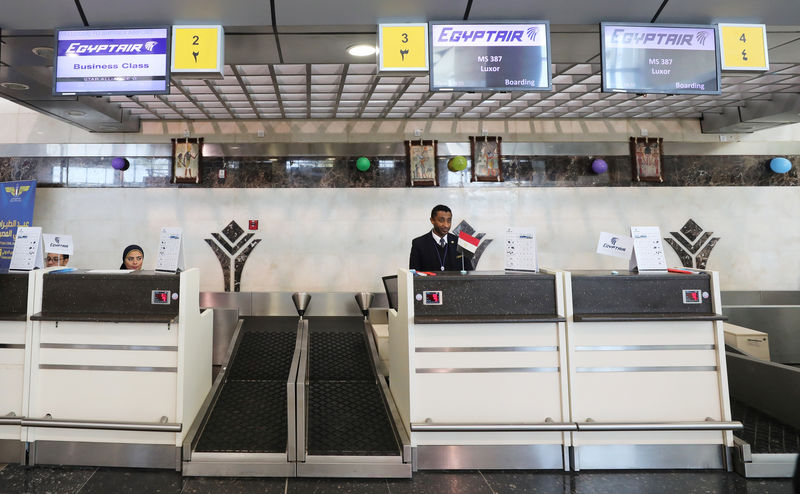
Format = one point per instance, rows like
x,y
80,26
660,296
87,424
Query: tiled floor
x,y
15,479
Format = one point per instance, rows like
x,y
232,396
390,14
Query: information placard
x,y
490,56
170,250
671,59
28,252
648,251
521,254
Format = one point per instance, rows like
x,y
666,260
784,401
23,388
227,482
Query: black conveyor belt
x,y
764,433
346,412
250,414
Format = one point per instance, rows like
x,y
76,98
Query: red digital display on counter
x,y
692,297
160,297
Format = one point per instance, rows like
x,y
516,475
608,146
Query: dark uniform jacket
x,y
426,255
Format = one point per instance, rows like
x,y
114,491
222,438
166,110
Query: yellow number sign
x,y
197,48
744,46
403,47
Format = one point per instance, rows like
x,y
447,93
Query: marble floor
x,y
15,479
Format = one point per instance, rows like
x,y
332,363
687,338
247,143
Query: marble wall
x,y
392,171
344,239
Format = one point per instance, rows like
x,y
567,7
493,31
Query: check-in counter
x,y
16,304
478,369
648,382
120,365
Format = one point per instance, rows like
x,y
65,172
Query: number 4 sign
x,y
744,46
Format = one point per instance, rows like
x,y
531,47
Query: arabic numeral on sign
x,y
405,37
494,58
742,38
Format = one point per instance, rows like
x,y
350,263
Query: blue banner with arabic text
x,y
16,209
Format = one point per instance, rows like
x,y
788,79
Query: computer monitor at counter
x,y
390,285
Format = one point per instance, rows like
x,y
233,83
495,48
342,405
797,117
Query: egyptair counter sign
x,y
198,52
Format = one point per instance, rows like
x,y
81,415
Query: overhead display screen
x,y
112,61
490,56
648,58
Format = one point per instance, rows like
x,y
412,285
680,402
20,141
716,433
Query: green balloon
x,y
362,164
457,163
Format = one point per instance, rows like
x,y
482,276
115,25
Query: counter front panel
x,y
485,297
631,294
83,295
13,296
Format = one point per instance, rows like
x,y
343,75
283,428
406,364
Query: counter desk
x,y
648,382
478,369
16,304
120,363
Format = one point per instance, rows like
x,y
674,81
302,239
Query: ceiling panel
x,y
564,11
775,12
153,12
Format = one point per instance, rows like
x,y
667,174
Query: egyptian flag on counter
x,y
467,242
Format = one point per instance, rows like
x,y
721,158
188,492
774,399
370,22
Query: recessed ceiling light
x,y
76,113
15,86
362,50
44,52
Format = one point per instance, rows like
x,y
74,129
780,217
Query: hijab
x,y
127,250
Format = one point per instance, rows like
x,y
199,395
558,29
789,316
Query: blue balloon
x,y
599,166
780,165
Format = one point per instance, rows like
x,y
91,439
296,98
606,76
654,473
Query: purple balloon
x,y
599,166
119,163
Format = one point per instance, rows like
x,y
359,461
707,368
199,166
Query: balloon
x,y
457,163
120,163
363,164
780,165
599,166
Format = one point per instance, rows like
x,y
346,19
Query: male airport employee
x,y
437,250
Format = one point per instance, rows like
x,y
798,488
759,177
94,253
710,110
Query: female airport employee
x,y
132,257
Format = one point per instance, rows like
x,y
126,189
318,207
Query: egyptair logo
x,y
18,190
614,240
150,45
531,33
701,37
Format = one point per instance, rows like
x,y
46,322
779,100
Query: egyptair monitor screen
x,y
648,58
112,61
490,56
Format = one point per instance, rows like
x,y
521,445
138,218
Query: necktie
x,y
441,243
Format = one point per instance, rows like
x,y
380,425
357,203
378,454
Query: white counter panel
x,y
105,395
484,360
109,333
641,358
485,335
645,396
132,358
525,397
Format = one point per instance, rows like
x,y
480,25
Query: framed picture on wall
x,y
486,158
646,157
186,156
421,163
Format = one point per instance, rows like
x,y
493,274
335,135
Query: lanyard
x,y
436,247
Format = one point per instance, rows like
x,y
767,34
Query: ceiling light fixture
x,y
15,86
44,52
362,50
76,113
